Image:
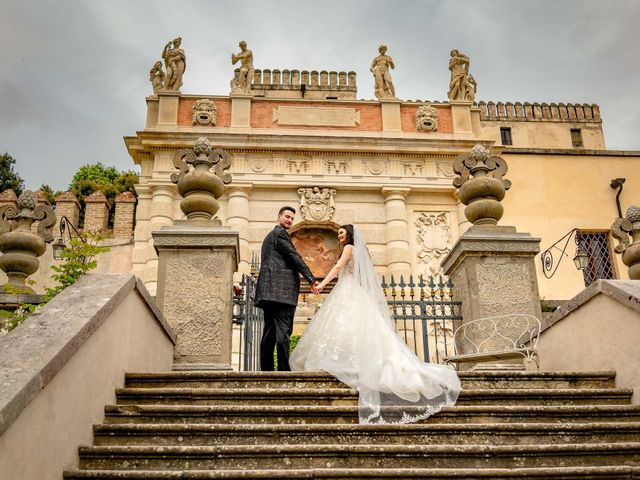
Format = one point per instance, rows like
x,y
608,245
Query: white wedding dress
x,y
353,338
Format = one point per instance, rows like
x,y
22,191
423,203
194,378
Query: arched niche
x,y
317,243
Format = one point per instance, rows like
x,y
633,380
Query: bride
x,y
353,338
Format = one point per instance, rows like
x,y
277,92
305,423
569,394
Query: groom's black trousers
x,y
278,325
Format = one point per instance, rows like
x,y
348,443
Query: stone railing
x,y
305,81
560,112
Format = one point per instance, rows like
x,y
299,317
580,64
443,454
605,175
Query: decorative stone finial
x,y
427,119
20,247
199,187
462,85
175,63
481,185
241,83
629,248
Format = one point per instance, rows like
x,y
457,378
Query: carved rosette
x,y
622,229
426,119
20,247
481,184
199,187
204,112
317,203
434,239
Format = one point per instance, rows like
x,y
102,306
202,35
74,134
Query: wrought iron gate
x,y
424,312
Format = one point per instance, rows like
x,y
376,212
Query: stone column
x,y
398,253
390,114
160,215
240,111
461,119
492,267
197,258
96,213
124,215
168,103
67,205
238,219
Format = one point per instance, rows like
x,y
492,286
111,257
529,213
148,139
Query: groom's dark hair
x,y
349,229
285,208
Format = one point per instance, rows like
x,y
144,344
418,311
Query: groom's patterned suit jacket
x,y
280,266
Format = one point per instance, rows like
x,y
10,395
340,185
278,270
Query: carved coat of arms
x,y
317,203
434,239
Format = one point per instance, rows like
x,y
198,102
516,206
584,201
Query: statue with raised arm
x,y
242,84
380,67
175,64
459,84
156,76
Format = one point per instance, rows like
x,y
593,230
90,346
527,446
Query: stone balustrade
x,y
317,84
561,112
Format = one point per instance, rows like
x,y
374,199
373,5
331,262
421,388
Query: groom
x,y
277,290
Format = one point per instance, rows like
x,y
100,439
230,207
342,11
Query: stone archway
x,y
317,243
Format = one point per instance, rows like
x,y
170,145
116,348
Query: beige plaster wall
x,y
600,335
551,194
544,134
43,440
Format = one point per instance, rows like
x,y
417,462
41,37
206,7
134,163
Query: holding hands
x,y
316,287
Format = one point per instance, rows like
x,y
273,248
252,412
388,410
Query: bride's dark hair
x,y
349,229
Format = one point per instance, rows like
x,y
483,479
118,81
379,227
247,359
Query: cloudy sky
x,y
74,73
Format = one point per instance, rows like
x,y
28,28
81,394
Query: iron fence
x,y
424,312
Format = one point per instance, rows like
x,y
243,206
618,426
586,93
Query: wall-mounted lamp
x,y
60,244
617,183
580,259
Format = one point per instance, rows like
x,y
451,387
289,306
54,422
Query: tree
x,y
49,193
8,177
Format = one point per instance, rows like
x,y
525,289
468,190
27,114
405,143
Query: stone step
x,y
357,456
555,473
342,396
287,380
412,434
287,414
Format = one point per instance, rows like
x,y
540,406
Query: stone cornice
x,y
570,151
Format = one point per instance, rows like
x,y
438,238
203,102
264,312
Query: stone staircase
x,y
506,425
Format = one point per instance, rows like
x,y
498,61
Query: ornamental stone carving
x,y
156,77
381,68
481,185
241,82
204,112
621,229
317,203
175,63
434,239
462,85
427,119
19,245
199,187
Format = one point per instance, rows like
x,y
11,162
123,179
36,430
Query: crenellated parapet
x,y
312,84
527,112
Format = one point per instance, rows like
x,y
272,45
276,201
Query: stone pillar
x,y
461,119
238,219
241,111
124,215
67,205
96,213
492,267
390,114
153,105
197,258
160,215
398,253
168,103
196,263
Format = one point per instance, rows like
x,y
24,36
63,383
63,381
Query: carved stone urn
x,y
19,246
199,187
481,185
621,229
